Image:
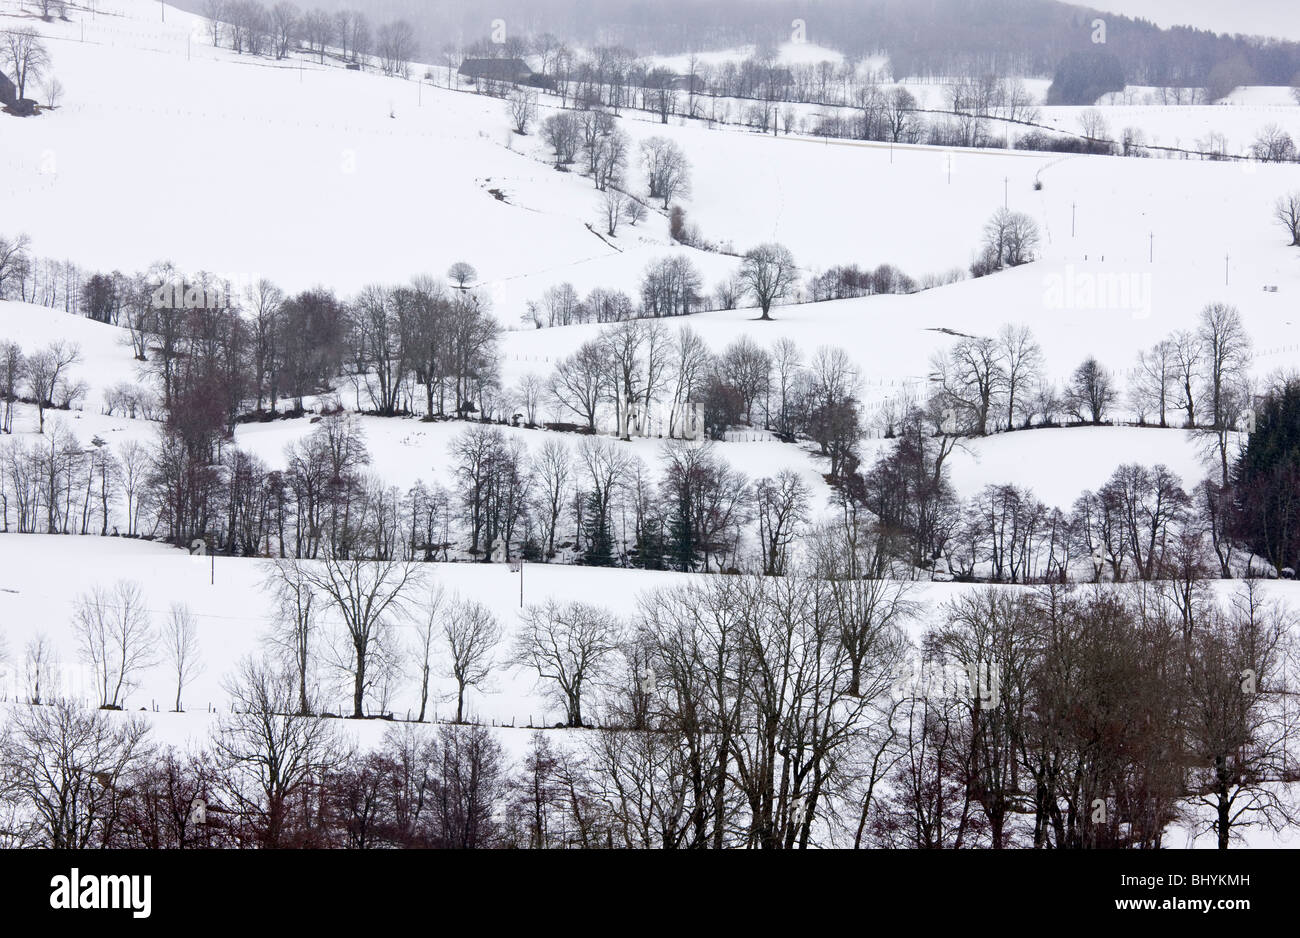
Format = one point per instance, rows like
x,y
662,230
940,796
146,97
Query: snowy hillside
x,y
398,172
312,174
323,179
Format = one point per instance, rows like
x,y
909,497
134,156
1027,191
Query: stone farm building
x,y
514,71
8,92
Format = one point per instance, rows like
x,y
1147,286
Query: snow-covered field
x,y
354,178
351,178
166,148
41,577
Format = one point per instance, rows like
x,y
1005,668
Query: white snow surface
x,y
165,148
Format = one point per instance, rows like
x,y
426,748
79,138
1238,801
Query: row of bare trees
x,y
77,779
600,503
1197,379
978,108
217,353
764,713
1140,525
250,27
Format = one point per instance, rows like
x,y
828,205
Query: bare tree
x,y
115,639
1287,213
668,172
529,392
992,638
24,56
215,12
670,287
14,260
787,368
1153,388
613,206
1010,239
1147,504
426,630
553,472
1022,363
462,274
769,274
782,503
1089,393
71,767
523,109
318,29
1239,683
562,134
469,781
39,666
635,211
970,379
578,384
53,91
181,646
1094,126
472,634
1226,353
367,596
134,464
267,755
607,158
46,370
899,115
1187,354
285,19
293,634
13,371
1273,145
571,646
359,37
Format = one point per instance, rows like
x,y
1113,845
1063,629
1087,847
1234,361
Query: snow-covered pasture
x,y
349,178
41,578
165,148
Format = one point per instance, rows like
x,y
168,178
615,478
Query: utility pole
x,y
517,566
1226,258
1006,191
1151,258
1073,212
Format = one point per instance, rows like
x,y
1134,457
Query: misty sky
x,y
1276,18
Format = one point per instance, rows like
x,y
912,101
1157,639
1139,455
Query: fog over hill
x,y
662,428
1276,19
922,37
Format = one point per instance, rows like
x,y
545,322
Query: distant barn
x,y
658,78
515,71
8,91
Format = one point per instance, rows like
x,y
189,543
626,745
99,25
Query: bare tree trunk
x,y
359,687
